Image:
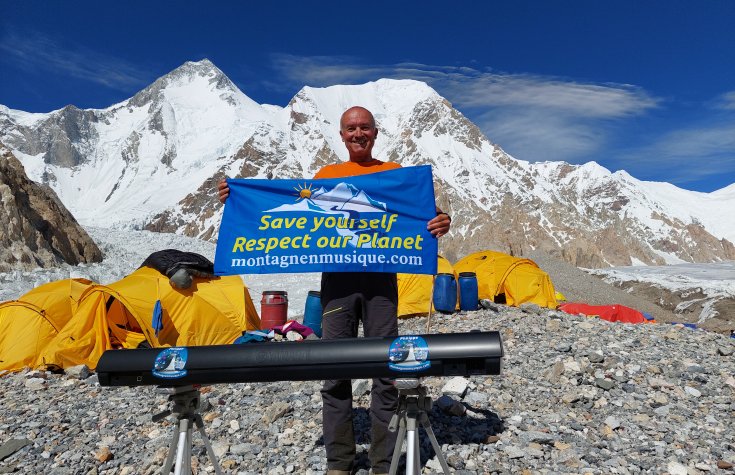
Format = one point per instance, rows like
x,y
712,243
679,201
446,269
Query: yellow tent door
x,y
104,320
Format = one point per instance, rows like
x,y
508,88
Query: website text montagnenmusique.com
x,y
306,259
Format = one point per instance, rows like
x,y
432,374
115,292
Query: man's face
x,y
358,132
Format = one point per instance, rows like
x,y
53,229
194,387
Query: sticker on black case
x,y
171,363
409,354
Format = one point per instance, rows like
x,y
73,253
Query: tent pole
x,y
431,303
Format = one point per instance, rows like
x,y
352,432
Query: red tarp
x,y
611,313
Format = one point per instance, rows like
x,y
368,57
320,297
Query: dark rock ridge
x,y
36,230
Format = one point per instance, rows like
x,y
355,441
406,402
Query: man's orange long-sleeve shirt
x,y
345,169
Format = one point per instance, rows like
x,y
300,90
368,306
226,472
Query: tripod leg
x,y
434,443
171,453
183,449
412,466
417,451
398,448
207,444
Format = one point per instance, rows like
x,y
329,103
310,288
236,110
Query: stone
x,y
12,446
570,397
675,468
79,372
563,347
605,384
104,455
692,391
294,336
275,412
513,452
554,374
612,422
220,448
537,437
531,308
451,406
456,386
360,387
572,366
35,384
489,305
475,398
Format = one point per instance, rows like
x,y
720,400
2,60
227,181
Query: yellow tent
x,y
519,279
28,324
415,290
210,312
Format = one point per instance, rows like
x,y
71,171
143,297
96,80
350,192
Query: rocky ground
x,y
576,395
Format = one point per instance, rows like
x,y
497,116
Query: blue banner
x,y
367,223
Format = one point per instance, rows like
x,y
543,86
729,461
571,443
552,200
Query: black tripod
x,y
185,400
413,404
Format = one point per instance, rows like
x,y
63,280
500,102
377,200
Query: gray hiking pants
x,y
348,298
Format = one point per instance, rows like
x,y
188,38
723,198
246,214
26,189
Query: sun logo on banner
x,y
304,192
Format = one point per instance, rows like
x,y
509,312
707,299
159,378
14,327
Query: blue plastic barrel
x,y
467,291
445,293
313,312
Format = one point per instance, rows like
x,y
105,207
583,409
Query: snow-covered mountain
x,y
153,162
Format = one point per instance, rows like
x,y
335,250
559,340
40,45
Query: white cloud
x,y
534,117
727,101
687,155
470,87
530,136
36,52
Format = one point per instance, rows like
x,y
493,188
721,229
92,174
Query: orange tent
x,y
611,313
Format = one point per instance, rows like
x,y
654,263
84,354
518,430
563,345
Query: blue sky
x,y
644,86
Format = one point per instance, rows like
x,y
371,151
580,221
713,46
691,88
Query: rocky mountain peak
x,y
186,74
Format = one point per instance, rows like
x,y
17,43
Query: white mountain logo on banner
x,y
344,200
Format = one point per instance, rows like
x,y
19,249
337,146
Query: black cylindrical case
x,y
448,354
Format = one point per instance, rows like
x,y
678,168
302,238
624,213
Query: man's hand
x,y
439,226
223,190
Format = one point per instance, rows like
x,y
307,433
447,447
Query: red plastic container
x,y
273,309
